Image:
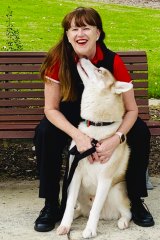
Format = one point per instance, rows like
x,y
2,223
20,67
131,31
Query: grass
x,y
127,28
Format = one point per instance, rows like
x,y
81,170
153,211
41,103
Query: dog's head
x,y
101,98
100,78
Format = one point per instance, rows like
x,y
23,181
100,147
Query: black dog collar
x,y
89,123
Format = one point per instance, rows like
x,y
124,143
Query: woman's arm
x,y
131,111
106,147
53,114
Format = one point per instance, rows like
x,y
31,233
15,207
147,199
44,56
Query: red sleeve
x,y
120,71
52,72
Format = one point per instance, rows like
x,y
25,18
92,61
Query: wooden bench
x,y
21,91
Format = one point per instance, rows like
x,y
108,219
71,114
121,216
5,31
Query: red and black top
x,y
102,57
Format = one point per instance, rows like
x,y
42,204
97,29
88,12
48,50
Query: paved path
x,y
19,207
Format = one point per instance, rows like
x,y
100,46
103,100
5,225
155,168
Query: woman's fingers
x,y
90,159
104,160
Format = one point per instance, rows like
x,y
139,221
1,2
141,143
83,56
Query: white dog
x,y
99,190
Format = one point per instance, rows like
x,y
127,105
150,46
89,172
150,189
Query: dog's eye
x,y
99,70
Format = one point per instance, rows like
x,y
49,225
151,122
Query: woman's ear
x,y
67,36
98,34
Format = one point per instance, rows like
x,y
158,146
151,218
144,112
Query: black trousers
x,y
50,141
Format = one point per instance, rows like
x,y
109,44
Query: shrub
x,y
13,42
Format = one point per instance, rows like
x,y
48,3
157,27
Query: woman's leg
x,y
138,140
49,143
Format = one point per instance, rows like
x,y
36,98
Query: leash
x,y
79,156
68,177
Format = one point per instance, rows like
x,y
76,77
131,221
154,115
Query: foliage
x,y
13,42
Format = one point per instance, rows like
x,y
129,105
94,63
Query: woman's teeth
x,y
82,41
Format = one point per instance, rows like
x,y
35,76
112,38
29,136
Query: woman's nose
x,y
80,32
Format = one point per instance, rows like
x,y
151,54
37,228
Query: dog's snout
x,y
83,60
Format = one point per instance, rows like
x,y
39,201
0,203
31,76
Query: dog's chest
x,y
90,174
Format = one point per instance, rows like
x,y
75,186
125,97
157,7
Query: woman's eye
x,y
86,28
74,29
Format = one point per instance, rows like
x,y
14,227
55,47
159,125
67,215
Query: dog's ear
x,y
121,87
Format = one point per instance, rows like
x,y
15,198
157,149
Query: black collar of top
x,y
89,123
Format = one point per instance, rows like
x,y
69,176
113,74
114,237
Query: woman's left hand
x,y
106,147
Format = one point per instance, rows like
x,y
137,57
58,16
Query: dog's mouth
x,y
83,69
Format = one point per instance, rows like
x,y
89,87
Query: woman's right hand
x,y
83,143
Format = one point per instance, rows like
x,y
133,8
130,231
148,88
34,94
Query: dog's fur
x,y
99,188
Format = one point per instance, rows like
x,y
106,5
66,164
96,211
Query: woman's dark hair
x,y
63,52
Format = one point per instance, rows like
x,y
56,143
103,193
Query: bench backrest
x,y
21,89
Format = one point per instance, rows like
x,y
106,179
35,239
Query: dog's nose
x,y
83,57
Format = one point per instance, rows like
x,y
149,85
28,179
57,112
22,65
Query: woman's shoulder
x,y
52,73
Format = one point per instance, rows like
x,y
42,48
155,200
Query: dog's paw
x,y
123,223
89,233
62,230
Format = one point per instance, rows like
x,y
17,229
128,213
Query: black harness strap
x,y
68,176
79,156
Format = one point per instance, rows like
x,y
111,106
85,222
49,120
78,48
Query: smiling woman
x,y
83,36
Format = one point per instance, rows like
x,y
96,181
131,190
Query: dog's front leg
x,y
70,205
101,195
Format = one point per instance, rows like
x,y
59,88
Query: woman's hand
x,y
83,143
106,147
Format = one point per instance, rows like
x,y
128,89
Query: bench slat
x,y
7,103
144,116
30,111
22,85
16,134
143,109
23,111
25,103
20,68
20,118
137,67
20,94
22,54
140,84
136,76
18,77
21,126
142,102
40,94
132,53
21,60
137,59
15,124
40,85
155,131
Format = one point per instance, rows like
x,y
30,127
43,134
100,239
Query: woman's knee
x,y
139,132
47,134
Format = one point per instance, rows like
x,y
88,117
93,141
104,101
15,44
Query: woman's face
x,y
83,39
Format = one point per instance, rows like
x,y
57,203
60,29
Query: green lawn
x,y
127,28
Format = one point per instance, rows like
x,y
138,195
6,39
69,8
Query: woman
x,y
84,37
